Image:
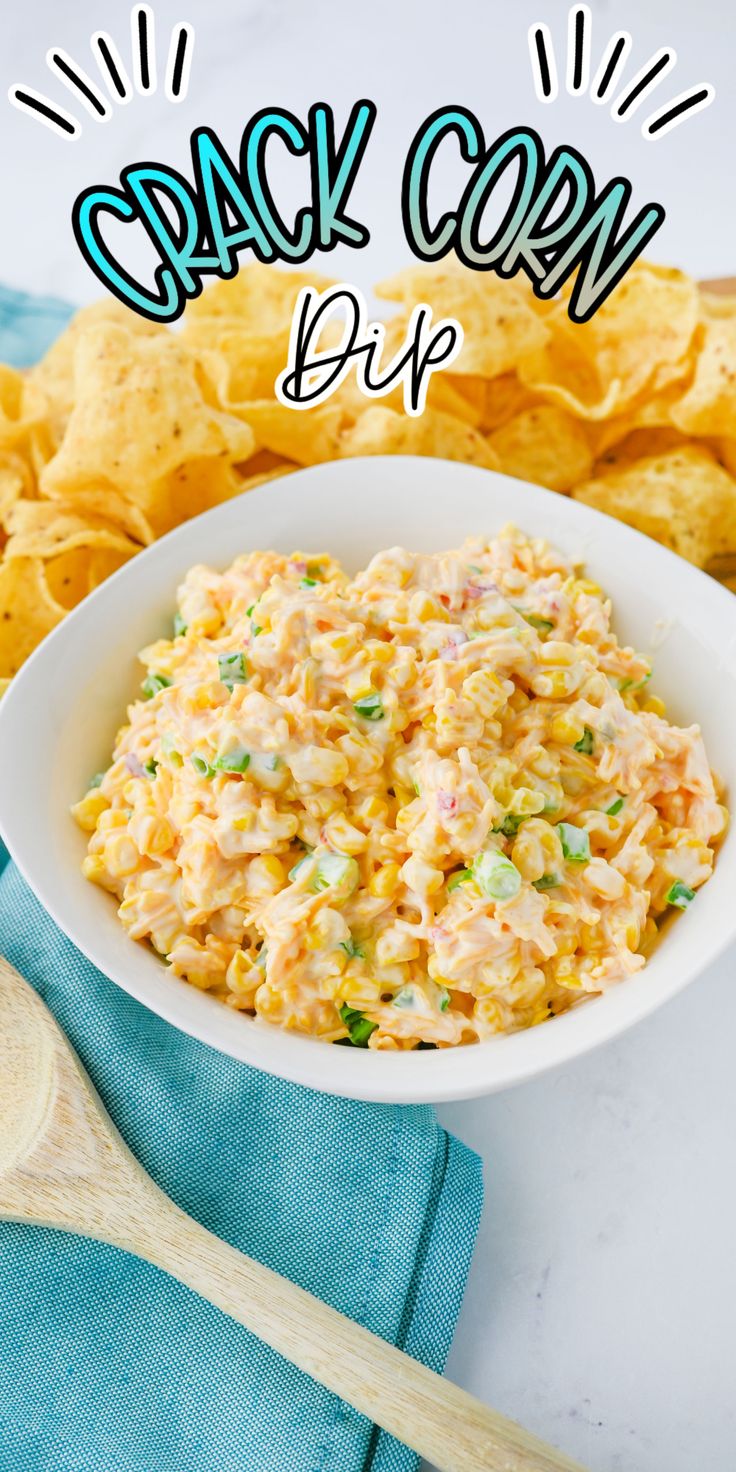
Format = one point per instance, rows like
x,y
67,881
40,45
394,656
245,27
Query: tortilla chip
x,y
263,462
12,486
306,436
708,406
103,563
638,445
113,508
544,445
67,576
47,529
499,322
27,611
12,419
382,431
49,388
639,338
261,297
139,413
71,576
683,499
250,482
716,304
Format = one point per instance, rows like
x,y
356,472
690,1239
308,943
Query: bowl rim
x,y
386,1077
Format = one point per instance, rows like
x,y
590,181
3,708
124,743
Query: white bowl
x,y
58,719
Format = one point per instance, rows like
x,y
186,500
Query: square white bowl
x,y
59,716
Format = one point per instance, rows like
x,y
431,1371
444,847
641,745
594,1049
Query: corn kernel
x,y
319,765
273,867
384,882
421,877
557,652
655,706
89,810
358,683
111,819
396,945
242,977
381,653
161,836
566,728
528,857
404,795
424,608
398,719
485,690
372,809
263,878
555,683
121,855
93,868
343,836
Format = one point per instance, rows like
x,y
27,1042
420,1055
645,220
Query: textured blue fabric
x,y
107,1365
28,325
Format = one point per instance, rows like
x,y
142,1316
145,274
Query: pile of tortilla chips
x,y
126,429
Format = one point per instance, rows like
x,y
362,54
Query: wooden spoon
x,y
63,1164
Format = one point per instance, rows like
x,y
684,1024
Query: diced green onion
x,y
169,749
496,875
370,707
151,767
542,625
461,876
256,629
336,871
547,881
444,998
615,808
585,744
680,895
153,683
233,669
575,843
472,567
307,582
405,997
352,949
202,767
180,625
510,825
294,872
236,760
97,780
632,685
262,958
358,1026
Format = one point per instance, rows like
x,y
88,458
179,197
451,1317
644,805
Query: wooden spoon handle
x,y
453,1430
63,1164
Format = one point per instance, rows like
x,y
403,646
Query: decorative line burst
x,y
609,74
113,73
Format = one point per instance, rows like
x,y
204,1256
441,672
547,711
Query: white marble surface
x,y
601,1303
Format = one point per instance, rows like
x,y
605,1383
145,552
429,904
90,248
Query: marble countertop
x,y
602,1295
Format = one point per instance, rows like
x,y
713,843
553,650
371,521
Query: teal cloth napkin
x,y
106,1364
